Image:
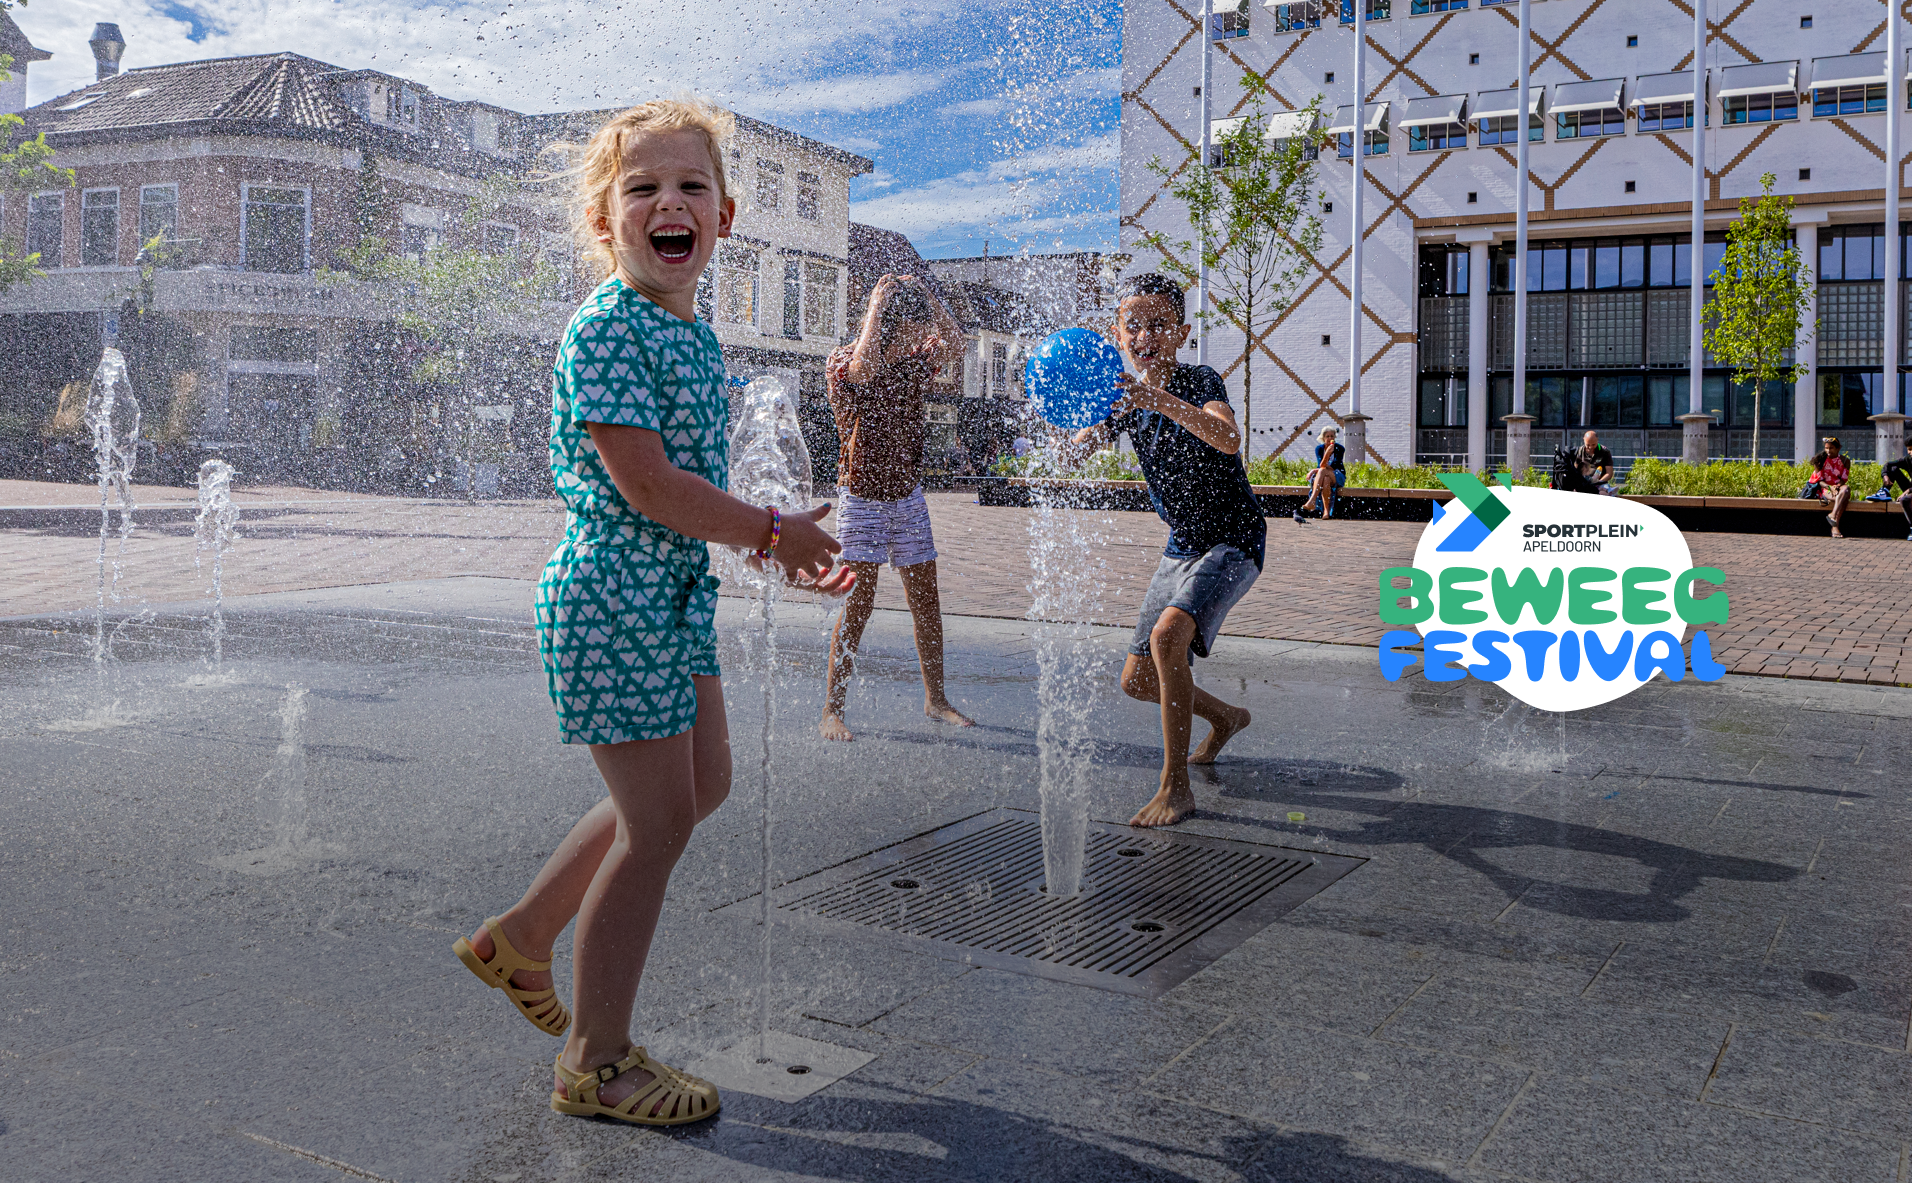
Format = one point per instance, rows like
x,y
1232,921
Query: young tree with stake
x,y
1255,223
1760,293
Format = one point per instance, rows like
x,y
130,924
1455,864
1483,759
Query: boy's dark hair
x,y
906,306
1153,283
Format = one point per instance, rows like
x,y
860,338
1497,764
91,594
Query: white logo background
x,y
1659,544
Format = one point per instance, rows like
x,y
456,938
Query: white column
x,y
1889,426
1806,392
1695,421
1478,359
1520,424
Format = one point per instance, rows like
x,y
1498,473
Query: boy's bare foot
x,y
1168,807
833,727
1220,734
944,713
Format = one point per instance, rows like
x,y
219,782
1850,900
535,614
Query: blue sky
x,y
991,121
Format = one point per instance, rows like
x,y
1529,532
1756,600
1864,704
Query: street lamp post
x,y
1520,425
1201,283
1354,425
1696,424
1889,426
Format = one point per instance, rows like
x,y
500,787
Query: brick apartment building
x,y
258,175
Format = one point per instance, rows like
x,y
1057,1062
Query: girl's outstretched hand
x,y
807,553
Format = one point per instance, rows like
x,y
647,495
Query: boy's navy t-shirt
x,y
1201,492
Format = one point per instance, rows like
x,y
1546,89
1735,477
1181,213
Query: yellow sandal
x,y
540,1007
672,1098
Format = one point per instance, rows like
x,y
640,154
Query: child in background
x,y
878,387
626,606
1185,437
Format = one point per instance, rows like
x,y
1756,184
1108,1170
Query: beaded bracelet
x,y
776,532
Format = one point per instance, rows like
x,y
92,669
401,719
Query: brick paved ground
x,y
1802,607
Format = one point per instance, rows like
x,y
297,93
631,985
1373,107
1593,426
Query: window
x,y
499,239
275,227
1423,7
401,106
809,195
1436,122
1374,138
1582,125
999,370
1665,117
1228,20
819,300
1378,10
1473,59
99,228
793,299
1847,100
1505,129
159,218
46,228
1287,126
737,285
1854,252
1606,263
1373,143
1292,17
1805,22
769,185
1633,43
261,343
1767,108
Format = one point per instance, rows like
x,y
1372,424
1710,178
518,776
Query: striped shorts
x,y
895,532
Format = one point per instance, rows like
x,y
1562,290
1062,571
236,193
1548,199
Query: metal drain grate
x,y
1154,908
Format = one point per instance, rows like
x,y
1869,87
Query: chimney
x,y
107,45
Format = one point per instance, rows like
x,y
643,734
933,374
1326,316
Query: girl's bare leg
x,y
534,923
926,614
844,639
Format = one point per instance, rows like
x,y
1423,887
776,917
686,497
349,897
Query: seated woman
x,y
1831,477
1329,474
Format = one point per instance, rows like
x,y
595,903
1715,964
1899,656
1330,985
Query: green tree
x,y
1255,223
25,166
1760,293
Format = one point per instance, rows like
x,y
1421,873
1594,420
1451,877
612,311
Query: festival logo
x,y
1565,600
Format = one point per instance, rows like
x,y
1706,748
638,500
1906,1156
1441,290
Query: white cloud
x,y
534,55
983,108
848,94
1024,194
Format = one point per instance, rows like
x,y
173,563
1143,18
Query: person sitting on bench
x,y
1831,478
1898,472
1595,464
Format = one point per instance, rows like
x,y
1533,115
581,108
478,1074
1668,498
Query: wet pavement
x,y
1665,939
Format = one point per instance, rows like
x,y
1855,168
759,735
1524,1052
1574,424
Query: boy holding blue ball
x,y
1179,419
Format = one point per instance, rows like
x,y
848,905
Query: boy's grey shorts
x,y
1204,587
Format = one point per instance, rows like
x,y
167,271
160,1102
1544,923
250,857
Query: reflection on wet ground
x,y
1666,937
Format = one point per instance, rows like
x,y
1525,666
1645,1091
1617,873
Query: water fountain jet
x,y
112,416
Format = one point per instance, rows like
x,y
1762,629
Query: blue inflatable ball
x,y
1071,378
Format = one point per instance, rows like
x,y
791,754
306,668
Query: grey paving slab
x,y
1426,1103
1829,1082
1862,1010
1566,1036
1567,1130
1075,1030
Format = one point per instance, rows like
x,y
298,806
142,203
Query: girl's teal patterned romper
x,y
627,607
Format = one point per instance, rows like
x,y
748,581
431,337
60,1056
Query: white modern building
x,y
1797,91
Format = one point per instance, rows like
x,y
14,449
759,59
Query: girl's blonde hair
x,y
595,168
